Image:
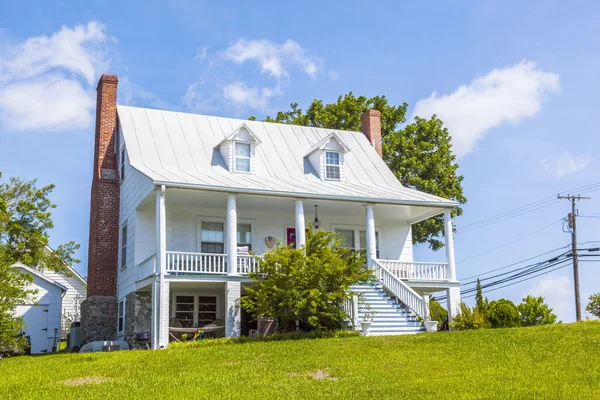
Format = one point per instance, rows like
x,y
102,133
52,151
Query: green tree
x,y
25,221
479,297
307,284
534,311
502,313
593,306
469,318
437,312
419,154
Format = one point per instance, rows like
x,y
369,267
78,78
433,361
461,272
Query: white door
x,y
36,326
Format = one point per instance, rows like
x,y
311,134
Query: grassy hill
x,y
551,362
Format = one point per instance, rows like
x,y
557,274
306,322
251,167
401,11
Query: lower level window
x,y
121,317
195,311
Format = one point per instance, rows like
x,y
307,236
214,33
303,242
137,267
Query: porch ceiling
x,y
210,199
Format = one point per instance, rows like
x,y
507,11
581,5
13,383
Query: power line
x,y
530,207
516,263
509,243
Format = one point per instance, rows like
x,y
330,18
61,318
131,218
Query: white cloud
x,y
558,293
566,164
273,58
240,94
47,82
50,103
503,95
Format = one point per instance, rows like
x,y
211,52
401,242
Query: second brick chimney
x,y
99,310
370,124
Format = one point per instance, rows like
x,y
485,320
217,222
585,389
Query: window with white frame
x,y
242,156
122,164
121,317
195,311
347,238
124,246
332,165
244,235
212,237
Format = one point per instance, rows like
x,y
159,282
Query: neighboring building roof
x,y
39,274
179,149
70,268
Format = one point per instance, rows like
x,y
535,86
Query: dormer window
x,y
238,150
332,165
327,157
242,157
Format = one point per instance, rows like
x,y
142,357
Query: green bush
x,y
502,314
535,312
469,319
593,306
437,312
308,284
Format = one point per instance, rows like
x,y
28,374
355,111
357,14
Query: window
x,y
121,317
244,235
195,311
348,237
124,246
122,164
212,238
184,310
242,157
332,165
363,242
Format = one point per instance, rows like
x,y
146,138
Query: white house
x,y
42,312
57,304
193,190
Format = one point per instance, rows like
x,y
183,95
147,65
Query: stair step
x,y
395,324
395,329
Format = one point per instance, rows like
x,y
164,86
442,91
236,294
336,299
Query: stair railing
x,y
401,290
350,307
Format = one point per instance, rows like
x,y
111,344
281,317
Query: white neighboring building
x,y
42,313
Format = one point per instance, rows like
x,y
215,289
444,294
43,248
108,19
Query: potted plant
x,y
367,319
430,325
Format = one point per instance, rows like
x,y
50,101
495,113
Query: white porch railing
x,y
247,264
401,290
417,271
196,263
350,307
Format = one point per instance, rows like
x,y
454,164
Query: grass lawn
x,y
551,362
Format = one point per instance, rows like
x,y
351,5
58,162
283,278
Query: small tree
x,y
25,219
468,319
535,312
437,312
503,314
593,306
307,284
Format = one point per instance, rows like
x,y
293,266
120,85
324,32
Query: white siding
x,y
182,228
75,294
134,189
48,295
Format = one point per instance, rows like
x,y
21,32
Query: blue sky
x,y
516,83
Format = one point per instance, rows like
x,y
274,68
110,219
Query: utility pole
x,y
573,225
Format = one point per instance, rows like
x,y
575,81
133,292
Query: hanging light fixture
x,y
316,224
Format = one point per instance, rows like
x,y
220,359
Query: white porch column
x,y
160,314
300,224
233,317
448,234
453,302
231,235
371,240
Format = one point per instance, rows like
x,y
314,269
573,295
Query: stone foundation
x,y
98,318
138,315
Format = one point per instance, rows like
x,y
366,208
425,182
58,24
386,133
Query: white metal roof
x,y
39,274
178,149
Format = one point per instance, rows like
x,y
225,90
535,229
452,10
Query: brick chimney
x,y
370,125
99,310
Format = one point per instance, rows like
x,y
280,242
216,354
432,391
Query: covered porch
x,y
209,236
